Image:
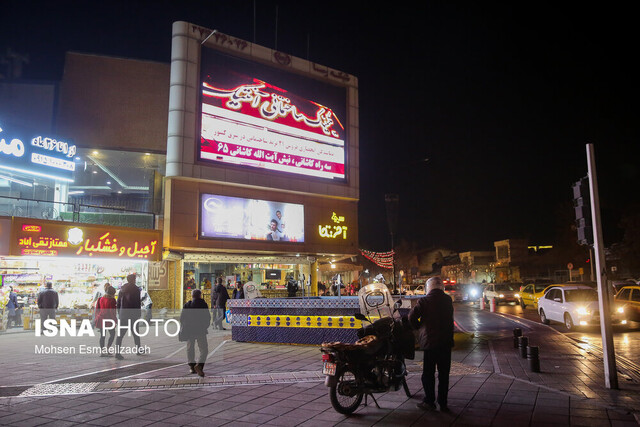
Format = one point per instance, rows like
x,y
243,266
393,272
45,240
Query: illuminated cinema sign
x,y
43,156
250,219
268,119
54,239
335,230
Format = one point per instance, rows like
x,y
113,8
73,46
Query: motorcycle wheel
x,y
338,394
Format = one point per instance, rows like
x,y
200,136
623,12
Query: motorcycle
x,y
376,362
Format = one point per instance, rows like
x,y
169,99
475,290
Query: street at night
x,y
302,213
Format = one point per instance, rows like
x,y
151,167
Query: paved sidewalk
x,y
280,385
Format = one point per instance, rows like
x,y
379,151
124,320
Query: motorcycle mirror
x,y
360,316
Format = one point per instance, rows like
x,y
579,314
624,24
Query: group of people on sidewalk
x,y
127,307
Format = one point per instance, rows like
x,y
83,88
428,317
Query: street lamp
x,y
391,202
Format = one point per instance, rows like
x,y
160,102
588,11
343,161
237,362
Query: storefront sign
x,y
158,275
335,230
53,239
44,156
5,235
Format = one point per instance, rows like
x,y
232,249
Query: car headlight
x,y
620,309
517,295
583,311
501,296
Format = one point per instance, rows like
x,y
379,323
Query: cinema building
x,y
262,164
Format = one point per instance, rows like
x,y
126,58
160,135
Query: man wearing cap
x,y
433,318
129,311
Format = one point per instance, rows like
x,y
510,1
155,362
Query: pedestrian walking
x,y
98,291
433,318
219,297
106,310
48,302
194,322
128,305
12,308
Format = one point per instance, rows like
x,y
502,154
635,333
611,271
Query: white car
x,y
501,292
574,306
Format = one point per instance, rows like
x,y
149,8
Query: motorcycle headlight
x,y
583,311
517,295
620,309
473,292
501,296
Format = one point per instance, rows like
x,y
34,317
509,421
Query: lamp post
x,y
391,202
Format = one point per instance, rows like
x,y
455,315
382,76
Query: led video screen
x,y
257,116
250,219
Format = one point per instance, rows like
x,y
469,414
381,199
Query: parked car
x,y
502,292
629,298
574,306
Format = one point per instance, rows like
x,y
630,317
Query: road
x,y
626,338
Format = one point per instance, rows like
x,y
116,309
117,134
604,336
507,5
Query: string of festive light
x,y
381,259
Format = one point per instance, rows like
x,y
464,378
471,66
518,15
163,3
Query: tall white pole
x,y
610,371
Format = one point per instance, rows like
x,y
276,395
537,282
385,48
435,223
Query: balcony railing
x,y
75,212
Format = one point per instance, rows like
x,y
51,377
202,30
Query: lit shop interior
x,y
92,186
74,279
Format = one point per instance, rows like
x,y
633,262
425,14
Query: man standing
x,y
48,302
433,317
219,297
128,305
12,308
194,322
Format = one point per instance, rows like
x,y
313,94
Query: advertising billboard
x,y
260,117
250,219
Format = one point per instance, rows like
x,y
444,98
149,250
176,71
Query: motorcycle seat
x,y
369,344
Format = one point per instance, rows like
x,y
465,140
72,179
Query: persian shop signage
x,y
334,230
260,117
44,156
55,239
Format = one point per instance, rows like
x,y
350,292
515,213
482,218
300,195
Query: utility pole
x,y
610,371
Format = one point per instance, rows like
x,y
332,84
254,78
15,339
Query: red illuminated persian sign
x,y
256,122
255,125
53,239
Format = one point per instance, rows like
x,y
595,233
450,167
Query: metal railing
x,y
75,212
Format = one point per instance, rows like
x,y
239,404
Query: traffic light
x,y
582,206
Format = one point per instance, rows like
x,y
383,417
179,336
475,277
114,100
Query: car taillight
x,y
327,357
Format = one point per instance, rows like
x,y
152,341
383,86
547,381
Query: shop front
x,y
76,258
254,236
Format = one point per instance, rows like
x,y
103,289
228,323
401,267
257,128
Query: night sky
x,y
500,98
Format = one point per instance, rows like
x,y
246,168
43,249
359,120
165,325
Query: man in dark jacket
x,y
12,308
194,322
128,305
48,302
219,297
433,317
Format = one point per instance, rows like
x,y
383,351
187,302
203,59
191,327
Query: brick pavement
x,y
256,384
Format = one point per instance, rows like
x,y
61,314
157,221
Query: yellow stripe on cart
x,y
285,321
